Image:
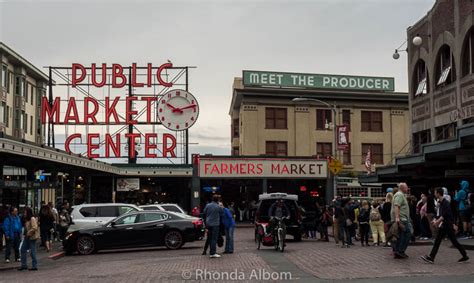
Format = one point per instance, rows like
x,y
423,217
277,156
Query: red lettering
x,y
88,115
68,141
215,168
110,110
131,141
276,167
71,106
75,79
242,169
51,111
109,143
128,109
158,74
224,168
103,74
149,145
134,76
206,167
117,72
169,148
260,169
285,169
149,99
251,168
91,146
234,168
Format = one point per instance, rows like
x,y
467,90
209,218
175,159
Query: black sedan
x,y
136,229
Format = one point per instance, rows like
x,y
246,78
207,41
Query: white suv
x,y
96,214
164,207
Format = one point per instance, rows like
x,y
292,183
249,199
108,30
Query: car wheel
x,y
85,245
173,240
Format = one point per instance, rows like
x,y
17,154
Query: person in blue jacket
x,y
229,225
464,211
12,229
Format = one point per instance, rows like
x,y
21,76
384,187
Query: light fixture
x,y
396,55
417,40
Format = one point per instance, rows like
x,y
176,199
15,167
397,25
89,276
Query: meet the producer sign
x,y
262,168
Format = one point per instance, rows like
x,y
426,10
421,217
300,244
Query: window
x,y
419,139
40,93
323,119
25,121
10,77
275,118
125,209
172,208
376,150
88,211
323,149
371,121
446,132
38,126
126,220
2,112
420,79
276,148
150,208
31,125
25,95
235,151
148,217
4,76
18,119
468,54
32,94
107,211
7,116
346,117
346,156
235,128
444,70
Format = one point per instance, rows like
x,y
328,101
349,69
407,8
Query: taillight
x,y
197,223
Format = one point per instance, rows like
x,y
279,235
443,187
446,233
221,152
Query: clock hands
x,y
180,110
189,106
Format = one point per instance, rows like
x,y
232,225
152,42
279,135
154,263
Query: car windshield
x,y
266,204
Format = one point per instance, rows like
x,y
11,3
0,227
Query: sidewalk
x,y
41,256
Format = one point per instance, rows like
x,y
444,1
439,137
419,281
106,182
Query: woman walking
x,y
32,234
46,220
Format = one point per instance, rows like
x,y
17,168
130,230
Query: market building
x,y
290,116
441,94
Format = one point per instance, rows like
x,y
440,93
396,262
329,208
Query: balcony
x,y
20,102
19,134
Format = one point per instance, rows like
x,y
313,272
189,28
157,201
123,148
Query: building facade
x,y
267,122
21,88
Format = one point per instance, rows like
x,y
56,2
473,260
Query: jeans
x,y
214,234
443,232
364,233
344,233
229,239
15,244
28,245
404,237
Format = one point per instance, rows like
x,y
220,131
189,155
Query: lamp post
x,y
334,112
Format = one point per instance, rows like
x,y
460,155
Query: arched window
x,y
420,84
445,70
468,54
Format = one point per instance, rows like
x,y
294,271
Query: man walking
x,y
445,222
12,229
401,217
213,213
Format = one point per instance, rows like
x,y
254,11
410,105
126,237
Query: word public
x,y
118,110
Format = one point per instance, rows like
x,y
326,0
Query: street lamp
x,y
334,112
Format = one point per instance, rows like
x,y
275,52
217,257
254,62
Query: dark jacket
x,y
447,214
385,211
364,216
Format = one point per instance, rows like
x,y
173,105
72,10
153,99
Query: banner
x,y
128,184
342,137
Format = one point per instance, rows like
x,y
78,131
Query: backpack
x,y
375,215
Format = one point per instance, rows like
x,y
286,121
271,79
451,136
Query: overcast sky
x,y
221,38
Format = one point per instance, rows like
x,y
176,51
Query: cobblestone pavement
x,y
308,261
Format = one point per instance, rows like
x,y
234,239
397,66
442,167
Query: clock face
x,y
178,110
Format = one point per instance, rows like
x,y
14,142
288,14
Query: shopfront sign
x,y
321,81
128,184
262,168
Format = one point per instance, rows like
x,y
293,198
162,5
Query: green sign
x,y
298,80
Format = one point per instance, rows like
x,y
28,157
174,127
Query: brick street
x,y
306,261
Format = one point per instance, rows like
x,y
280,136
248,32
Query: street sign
x,y
335,166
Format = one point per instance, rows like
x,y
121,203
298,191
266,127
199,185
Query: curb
x,y
57,255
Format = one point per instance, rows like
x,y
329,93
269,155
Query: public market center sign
x,y
317,81
219,167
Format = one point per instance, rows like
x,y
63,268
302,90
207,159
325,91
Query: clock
x,y
178,110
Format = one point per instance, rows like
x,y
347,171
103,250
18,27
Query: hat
x,y
390,190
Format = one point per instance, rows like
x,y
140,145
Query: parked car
x,y
96,214
163,207
136,229
293,225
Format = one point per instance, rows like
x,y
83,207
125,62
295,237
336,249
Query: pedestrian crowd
x,y
19,232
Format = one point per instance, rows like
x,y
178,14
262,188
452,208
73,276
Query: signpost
x,y
320,81
335,166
